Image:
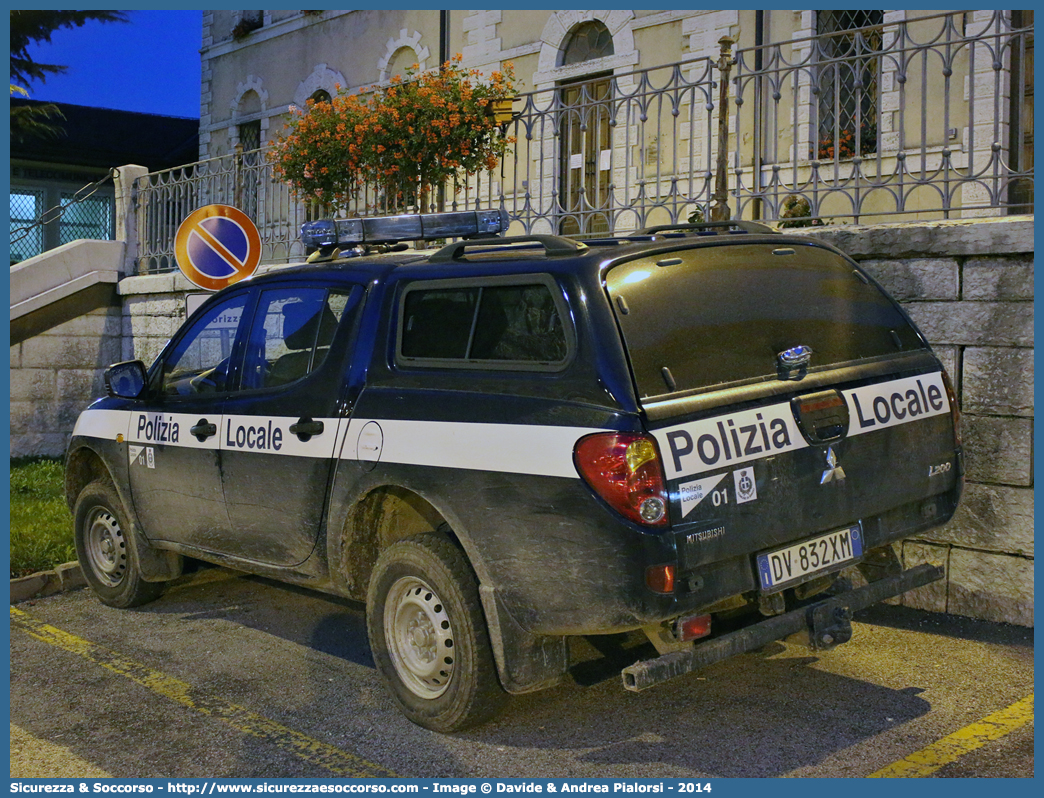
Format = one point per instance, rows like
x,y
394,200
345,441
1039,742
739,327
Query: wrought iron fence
x,y
243,179
929,116
901,118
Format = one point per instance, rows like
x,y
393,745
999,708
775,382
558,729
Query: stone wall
x,y
153,309
55,375
969,287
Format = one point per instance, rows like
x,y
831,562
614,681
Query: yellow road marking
x,y
33,758
239,718
954,746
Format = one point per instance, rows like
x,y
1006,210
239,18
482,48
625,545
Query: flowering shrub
x,y
404,139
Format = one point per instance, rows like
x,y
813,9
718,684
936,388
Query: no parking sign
x,y
216,246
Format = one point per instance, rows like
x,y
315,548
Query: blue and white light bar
x,y
342,233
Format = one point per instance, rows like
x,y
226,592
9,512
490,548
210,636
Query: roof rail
x,y
737,224
554,246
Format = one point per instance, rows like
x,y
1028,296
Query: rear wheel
x,y
108,564
428,635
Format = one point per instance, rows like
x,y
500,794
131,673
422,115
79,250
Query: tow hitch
x,y
826,623
828,626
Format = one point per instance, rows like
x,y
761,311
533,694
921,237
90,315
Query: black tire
x,y
429,637
100,528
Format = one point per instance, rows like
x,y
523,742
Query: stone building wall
x,y
55,375
969,287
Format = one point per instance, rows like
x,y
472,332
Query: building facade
x,y
849,115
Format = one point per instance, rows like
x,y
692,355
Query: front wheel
x,y
428,635
108,564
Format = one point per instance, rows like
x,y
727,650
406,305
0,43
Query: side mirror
x,y
125,380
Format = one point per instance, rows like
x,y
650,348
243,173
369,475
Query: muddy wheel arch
x,y
82,467
382,516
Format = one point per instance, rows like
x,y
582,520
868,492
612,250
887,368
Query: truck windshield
x,y
703,317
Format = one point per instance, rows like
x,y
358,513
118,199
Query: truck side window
x,y
482,325
200,361
291,335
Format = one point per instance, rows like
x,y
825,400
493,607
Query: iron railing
x,y
243,180
926,117
929,116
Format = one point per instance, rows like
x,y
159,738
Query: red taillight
x,y
955,410
624,469
660,578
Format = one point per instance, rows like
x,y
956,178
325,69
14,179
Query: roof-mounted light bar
x,y
342,233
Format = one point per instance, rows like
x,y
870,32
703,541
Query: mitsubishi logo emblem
x,y
834,471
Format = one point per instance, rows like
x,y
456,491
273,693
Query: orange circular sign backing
x,y
216,246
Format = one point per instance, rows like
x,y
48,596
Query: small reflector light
x,y
660,578
343,233
693,627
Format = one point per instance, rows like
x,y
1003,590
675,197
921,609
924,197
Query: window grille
x,y
26,207
848,82
89,218
250,135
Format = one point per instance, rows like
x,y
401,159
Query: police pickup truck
x,y
712,434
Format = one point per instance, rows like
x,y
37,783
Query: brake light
x,y
624,469
955,410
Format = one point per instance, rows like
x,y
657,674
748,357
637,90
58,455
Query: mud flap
x,y
827,624
525,662
154,565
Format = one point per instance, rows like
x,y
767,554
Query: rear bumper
x,y
825,622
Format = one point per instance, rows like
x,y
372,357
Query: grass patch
x,y
41,524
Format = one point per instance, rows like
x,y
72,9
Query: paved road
x,y
235,676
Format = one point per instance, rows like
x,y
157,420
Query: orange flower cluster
x,y
404,139
845,146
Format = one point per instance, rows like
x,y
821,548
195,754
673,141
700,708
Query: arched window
x,y
401,60
320,96
589,41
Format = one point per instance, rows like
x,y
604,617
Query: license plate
x,y
829,552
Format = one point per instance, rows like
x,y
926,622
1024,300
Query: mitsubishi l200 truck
x,y
697,432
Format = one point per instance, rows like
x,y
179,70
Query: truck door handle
x,y
203,429
305,428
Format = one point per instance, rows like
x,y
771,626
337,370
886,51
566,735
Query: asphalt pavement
x,y
239,677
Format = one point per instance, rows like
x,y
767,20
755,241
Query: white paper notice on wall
x,y
576,160
604,160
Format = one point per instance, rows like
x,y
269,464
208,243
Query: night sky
x,y
150,64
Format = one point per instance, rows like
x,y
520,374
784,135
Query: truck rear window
x,y
700,318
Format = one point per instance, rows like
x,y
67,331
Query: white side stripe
x,y
507,448
696,447
258,434
888,404
271,435
105,424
